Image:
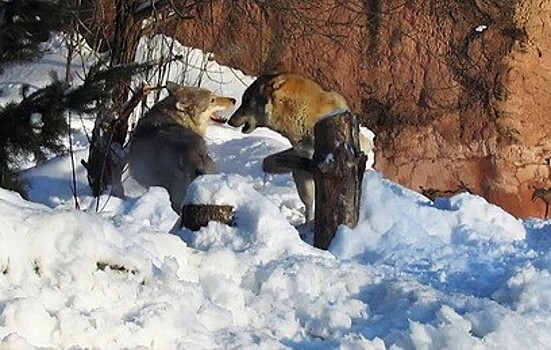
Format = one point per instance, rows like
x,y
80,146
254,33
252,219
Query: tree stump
x,y
195,216
338,166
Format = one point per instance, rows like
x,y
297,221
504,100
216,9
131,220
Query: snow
x,y
481,28
455,273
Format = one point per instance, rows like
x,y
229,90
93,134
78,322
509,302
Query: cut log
x,y
195,216
339,166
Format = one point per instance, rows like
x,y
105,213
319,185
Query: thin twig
x,y
73,167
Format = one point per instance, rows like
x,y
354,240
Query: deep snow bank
x,y
413,274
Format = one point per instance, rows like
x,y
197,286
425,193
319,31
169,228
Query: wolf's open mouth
x,y
247,128
217,118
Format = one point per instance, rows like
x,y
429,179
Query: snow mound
x,y
393,215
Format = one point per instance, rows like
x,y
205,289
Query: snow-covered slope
x,y
457,273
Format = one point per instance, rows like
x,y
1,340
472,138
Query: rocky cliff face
x,y
458,93
524,161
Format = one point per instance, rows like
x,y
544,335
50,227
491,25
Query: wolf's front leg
x,y
306,191
284,162
298,160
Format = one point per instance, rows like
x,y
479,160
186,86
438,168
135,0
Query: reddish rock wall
x,y
454,104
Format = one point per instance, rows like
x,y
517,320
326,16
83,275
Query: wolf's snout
x,y
238,120
224,102
248,127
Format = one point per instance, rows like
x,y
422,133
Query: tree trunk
x,y
127,37
339,166
105,164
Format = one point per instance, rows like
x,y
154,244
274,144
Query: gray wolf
x,y
290,104
167,147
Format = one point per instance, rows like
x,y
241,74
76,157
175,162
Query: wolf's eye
x,y
213,100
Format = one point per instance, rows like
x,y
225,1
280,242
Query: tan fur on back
x,y
297,103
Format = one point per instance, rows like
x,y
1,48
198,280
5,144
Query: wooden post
x,y
195,216
338,166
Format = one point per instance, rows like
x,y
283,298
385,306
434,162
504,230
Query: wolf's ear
x,y
277,69
182,107
172,87
276,83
